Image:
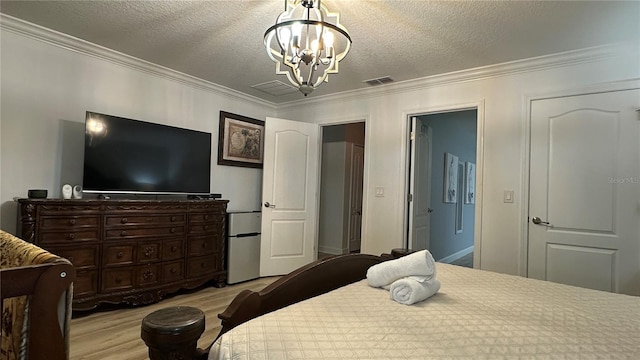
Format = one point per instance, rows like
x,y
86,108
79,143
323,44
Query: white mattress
x,y
476,314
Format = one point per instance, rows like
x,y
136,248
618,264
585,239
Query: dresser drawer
x,y
85,284
147,275
143,232
173,271
205,218
117,279
203,266
70,222
118,254
208,207
83,257
66,207
148,252
200,245
205,228
52,237
172,249
122,220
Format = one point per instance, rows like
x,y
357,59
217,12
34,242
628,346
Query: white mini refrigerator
x,y
243,246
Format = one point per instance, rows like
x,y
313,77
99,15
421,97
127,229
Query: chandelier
x,y
307,43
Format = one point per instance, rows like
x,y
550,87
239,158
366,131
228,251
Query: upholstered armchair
x,y
36,291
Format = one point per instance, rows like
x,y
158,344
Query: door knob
x,y
267,205
536,220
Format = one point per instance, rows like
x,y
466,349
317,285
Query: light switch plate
x,y
508,196
379,191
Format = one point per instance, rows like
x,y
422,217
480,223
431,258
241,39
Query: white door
x,y
420,188
584,200
355,197
289,196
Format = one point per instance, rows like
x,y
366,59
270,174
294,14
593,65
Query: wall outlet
x,y
379,191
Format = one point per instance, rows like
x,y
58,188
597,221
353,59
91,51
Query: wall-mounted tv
x,y
126,156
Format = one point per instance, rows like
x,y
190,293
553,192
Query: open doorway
x,y
441,185
341,186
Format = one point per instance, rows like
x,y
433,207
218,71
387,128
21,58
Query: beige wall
x,y
48,84
46,90
500,93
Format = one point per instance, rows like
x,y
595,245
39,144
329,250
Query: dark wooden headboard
x,y
306,282
316,278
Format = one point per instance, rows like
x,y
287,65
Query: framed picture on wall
x,y
240,141
469,183
460,202
450,178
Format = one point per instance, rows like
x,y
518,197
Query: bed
x,y
475,314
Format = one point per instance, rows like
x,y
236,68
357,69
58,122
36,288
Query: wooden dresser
x,y
132,251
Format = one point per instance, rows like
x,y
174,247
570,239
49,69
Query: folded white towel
x,y
419,263
413,289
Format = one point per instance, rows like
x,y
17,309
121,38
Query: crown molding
x,y
55,38
84,47
545,62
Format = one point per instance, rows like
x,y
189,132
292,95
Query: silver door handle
x,y
267,205
536,220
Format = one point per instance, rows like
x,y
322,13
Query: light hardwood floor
x,y
115,334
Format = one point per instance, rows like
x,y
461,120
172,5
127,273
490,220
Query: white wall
x,y
501,91
46,90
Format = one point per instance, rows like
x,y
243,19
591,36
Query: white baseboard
x,y
330,250
453,257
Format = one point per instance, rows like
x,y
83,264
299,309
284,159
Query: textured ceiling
x,y
221,41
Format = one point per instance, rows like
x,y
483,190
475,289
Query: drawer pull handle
x,y
118,280
174,248
72,222
70,258
206,217
148,251
174,270
173,230
203,265
71,236
120,254
204,245
148,274
206,227
123,233
173,218
124,220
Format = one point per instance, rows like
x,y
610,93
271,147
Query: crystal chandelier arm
x,y
312,69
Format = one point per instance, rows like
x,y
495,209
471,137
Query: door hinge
x,y
412,136
410,197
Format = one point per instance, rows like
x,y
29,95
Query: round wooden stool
x,y
400,252
173,332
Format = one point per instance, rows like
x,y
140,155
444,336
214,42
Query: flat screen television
x,y
126,156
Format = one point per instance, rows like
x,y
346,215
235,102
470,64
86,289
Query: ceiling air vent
x,y
275,88
379,81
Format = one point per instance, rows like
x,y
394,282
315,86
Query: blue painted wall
x,y
455,133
